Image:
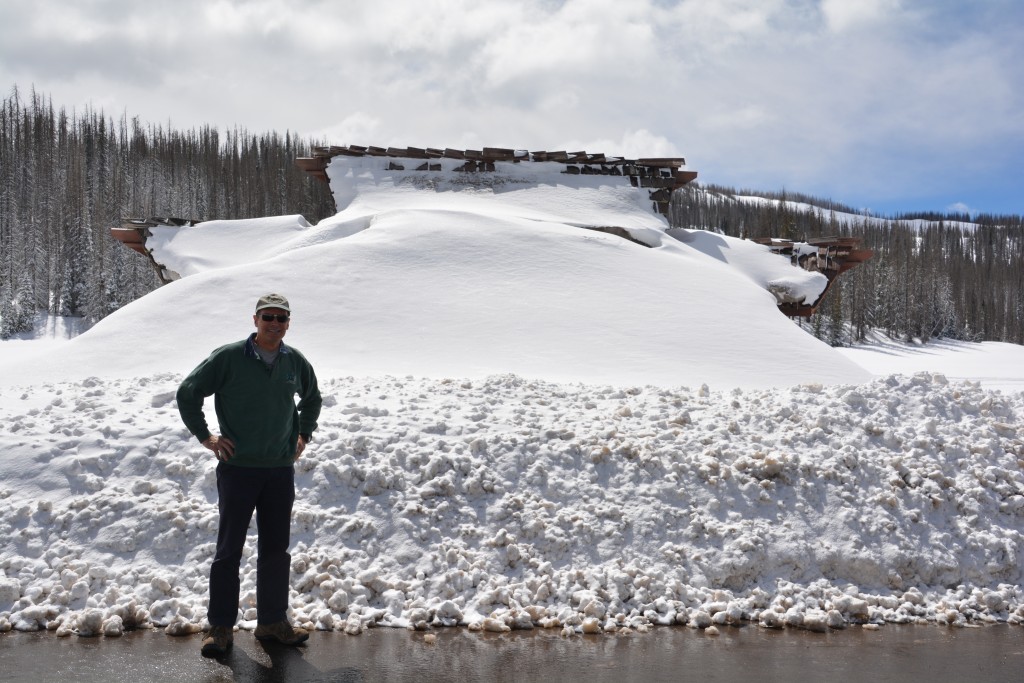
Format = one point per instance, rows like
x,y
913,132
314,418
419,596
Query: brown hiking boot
x,y
282,632
217,642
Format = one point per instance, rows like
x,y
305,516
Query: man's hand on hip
x,y
222,447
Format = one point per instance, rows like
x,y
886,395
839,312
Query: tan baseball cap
x,y
272,301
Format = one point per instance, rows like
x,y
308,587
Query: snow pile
x,y
507,503
455,279
777,275
222,244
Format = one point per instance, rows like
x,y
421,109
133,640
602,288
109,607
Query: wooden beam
x,y
663,162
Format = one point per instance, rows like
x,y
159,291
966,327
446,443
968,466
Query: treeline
x,y
67,178
942,278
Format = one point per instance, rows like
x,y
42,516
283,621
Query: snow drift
x,y
467,277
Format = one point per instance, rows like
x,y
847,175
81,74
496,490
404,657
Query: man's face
x,y
269,326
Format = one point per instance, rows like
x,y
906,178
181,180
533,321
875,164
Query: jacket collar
x,y
250,347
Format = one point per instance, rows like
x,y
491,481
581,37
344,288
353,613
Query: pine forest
x,y
931,276
67,178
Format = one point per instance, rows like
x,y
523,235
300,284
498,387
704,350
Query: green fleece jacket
x,y
255,405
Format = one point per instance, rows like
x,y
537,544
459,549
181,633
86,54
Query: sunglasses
x,y
280,317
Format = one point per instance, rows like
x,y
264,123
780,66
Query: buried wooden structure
x,y
661,176
830,256
133,233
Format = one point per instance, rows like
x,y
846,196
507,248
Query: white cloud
x,y
843,15
632,144
582,39
259,17
776,92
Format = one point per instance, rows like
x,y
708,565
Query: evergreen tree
x,y
67,178
953,277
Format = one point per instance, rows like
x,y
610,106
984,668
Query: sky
x,y
884,105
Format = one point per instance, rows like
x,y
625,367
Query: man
x,y
262,433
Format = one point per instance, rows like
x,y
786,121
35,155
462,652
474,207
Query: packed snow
x,y
468,281
527,424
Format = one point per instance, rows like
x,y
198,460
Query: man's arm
x,y
200,383
310,402
192,392
190,406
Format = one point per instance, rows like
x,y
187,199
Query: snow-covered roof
x,y
660,175
830,256
522,269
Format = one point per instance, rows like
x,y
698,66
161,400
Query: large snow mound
x,y
459,279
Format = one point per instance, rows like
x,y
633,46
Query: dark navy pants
x,y
270,491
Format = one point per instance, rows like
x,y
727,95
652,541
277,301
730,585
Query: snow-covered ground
x,y
918,224
527,424
994,364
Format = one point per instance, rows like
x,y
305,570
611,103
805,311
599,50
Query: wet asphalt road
x,y
894,653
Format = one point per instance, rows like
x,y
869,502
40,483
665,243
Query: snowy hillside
x,y
528,423
462,280
851,218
